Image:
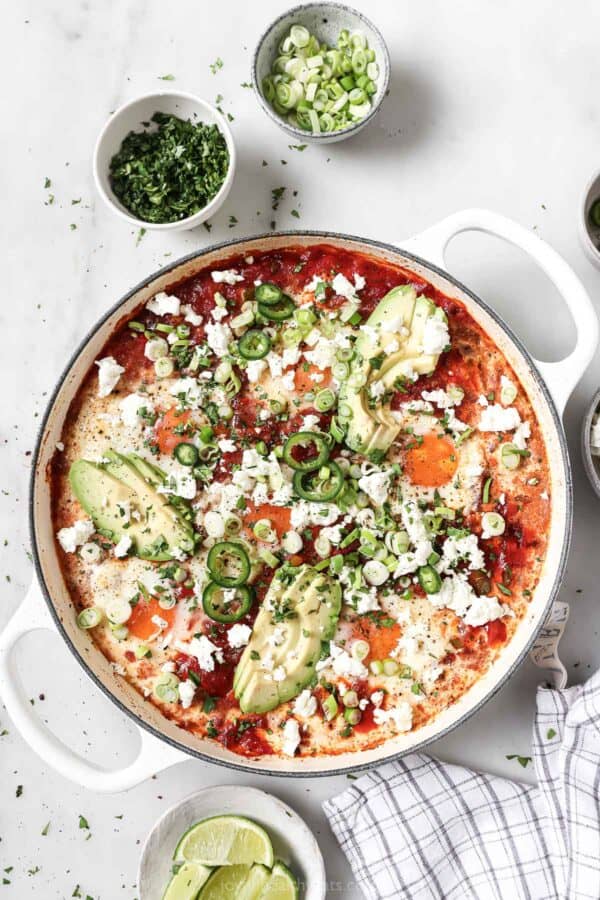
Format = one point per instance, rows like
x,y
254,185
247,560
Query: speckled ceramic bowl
x,y
293,841
591,462
589,234
325,20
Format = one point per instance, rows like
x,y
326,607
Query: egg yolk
x,y
433,462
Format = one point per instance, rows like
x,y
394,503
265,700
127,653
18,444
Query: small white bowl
x,y
293,841
590,461
325,20
130,118
586,229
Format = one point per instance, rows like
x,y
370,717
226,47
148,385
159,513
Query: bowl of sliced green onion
x,y
321,71
589,220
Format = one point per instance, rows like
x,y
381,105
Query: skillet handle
x,y
153,756
561,377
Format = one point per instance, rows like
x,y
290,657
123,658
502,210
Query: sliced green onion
x,y
390,667
330,707
164,367
360,649
493,524
166,687
376,667
325,400
90,617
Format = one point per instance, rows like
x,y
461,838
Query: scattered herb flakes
x,y
50,200
295,214
47,183
218,64
276,196
83,822
76,202
4,732
207,225
166,77
551,733
140,235
522,760
46,829
209,704
172,172
246,84
299,147
76,892
232,221
352,777
33,871
72,226
265,163
19,791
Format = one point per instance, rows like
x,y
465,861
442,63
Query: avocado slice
x,y
399,318
105,489
296,616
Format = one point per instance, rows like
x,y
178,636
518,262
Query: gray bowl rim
x,y
586,450
309,135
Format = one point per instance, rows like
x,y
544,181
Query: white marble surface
x,y
491,105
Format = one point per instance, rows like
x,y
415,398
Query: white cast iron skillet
x,y
162,742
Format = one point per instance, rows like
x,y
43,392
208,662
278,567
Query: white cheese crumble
x,y
291,737
187,692
309,422
122,548
376,486
109,373
226,445
188,389
218,337
238,635
442,399
191,315
462,548
342,663
399,716
78,533
164,304
279,673
255,368
344,288
435,335
226,276
499,418
485,609
377,698
204,650
305,705
521,435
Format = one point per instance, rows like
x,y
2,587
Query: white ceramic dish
x,y
588,234
325,20
162,742
293,841
129,118
590,461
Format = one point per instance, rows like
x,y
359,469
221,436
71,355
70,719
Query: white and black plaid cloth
x,y
421,829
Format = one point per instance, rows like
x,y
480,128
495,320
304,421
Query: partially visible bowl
x,y
130,118
293,841
590,234
591,462
325,20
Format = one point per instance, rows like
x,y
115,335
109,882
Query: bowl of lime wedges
x,y
231,841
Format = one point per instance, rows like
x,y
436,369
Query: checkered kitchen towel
x,y
421,829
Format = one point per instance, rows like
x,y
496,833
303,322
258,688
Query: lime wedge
x,y
225,883
225,841
254,883
186,883
282,885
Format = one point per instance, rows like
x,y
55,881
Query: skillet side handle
x,y
561,377
153,756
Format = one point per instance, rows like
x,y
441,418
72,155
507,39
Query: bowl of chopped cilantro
x,y
165,161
